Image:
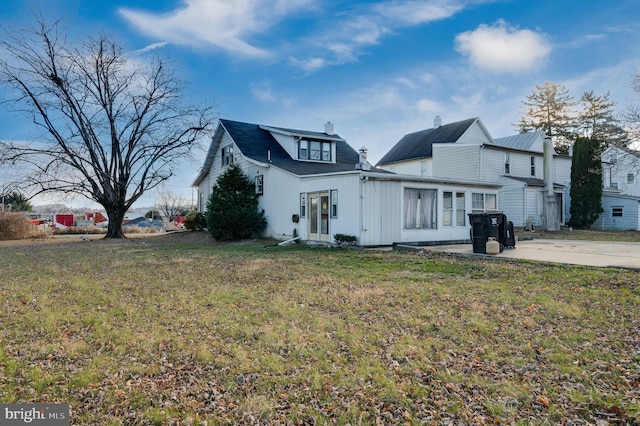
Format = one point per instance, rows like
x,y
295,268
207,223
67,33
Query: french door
x,y
319,216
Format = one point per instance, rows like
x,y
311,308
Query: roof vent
x,y
437,122
328,128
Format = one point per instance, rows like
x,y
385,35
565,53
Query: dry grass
x,y
170,329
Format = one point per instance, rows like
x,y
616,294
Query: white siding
x,y
413,168
511,201
456,161
349,206
616,173
474,135
492,166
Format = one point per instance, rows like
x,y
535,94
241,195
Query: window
x,y
227,155
259,184
630,178
616,211
326,152
460,213
614,185
483,202
334,204
303,149
303,205
447,208
420,208
533,166
314,150
507,166
613,159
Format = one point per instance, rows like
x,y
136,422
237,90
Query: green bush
x,y
345,241
232,208
195,221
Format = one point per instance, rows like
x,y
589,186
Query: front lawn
x,y
158,330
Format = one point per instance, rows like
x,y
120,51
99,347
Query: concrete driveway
x,y
577,252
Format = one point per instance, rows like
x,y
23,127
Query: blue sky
x,y
376,69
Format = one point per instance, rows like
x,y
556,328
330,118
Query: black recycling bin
x,y
485,225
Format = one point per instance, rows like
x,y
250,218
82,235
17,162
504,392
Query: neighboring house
x,y
621,190
621,170
314,185
466,150
621,212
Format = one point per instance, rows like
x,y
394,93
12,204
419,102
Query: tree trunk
x,y
116,217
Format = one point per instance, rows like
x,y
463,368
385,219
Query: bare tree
x,y
631,114
114,127
549,108
171,205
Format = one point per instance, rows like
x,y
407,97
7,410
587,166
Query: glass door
x,y
319,216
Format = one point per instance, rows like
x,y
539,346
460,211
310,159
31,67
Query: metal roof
x,y
524,141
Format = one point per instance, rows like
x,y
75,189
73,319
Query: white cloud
x,y
263,92
360,28
502,48
223,24
428,105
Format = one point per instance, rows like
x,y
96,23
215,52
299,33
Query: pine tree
x,y
586,183
597,120
549,108
232,208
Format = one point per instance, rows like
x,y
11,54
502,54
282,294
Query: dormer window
x,y
314,150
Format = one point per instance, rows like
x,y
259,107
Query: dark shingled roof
x,y
256,143
419,144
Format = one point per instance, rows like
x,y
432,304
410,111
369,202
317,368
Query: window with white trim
x,y
420,208
460,213
616,211
447,208
630,178
303,205
334,204
507,163
533,166
483,202
227,155
314,150
259,182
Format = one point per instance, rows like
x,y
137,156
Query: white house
x,y
621,190
314,185
529,187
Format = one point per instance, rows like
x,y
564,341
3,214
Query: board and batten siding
x,y
381,216
455,161
348,220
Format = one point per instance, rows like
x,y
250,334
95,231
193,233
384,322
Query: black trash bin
x,y
485,225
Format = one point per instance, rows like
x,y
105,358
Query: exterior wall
x,y
492,164
348,220
455,161
615,174
204,189
474,135
384,213
414,167
511,201
630,214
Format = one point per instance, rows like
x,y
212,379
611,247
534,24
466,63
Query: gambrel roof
x,y
419,144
